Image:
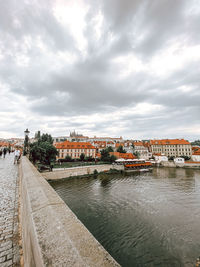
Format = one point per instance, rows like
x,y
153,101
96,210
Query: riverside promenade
x,y
9,249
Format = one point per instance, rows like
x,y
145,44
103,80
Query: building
x,y
159,158
196,154
4,145
171,147
119,155
106,139
75,149
179,160
77,137
142,149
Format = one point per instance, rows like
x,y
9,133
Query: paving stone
x,y
7,263
9,250
2,259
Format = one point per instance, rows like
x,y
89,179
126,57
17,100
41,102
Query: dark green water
x,y
150,219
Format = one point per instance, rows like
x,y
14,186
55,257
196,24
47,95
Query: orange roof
x,y
196,152
4,144
99,142
119,144
170,142
123,155
157,154
195,148
138,143
98,155
74,145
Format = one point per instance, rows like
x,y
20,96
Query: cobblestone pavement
x,y
9,249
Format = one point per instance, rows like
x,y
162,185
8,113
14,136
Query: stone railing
x,y
51,233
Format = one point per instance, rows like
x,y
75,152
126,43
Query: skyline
x,y
105,68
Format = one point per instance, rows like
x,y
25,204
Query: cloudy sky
x,y
126,68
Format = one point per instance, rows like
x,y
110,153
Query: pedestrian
x,y
0,153
4,152
16,155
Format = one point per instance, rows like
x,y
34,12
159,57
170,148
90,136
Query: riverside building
x,y
75,149
171,147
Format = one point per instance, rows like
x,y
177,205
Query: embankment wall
x,y
51,233
190,165
76,171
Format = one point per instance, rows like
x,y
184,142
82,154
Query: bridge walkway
x,y
9,248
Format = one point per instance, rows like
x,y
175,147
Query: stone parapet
x,y
51,234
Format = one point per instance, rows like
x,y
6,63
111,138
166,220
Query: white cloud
x,y
126,68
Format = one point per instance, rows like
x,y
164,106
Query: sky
x,y
127,68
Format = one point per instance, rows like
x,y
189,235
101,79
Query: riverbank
x,y
186,165
80,171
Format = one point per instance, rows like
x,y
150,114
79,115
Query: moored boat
x,y
135,164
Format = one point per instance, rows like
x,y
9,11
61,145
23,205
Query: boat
x,y
141,165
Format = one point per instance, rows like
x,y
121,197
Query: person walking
x,y
4,152
16,155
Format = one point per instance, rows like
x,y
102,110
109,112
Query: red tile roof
x,y
196,152
4,144
138,143
74,145
119,144
123,155
170,142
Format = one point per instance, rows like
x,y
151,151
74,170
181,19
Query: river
x,y
147,219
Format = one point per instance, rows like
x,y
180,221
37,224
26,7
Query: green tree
x,y
89,158
196,143
82,156
137,154
112,158
121,150
110,149
105,156
37,135
68,158
43,150
46,138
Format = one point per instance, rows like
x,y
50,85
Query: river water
x,y
148,219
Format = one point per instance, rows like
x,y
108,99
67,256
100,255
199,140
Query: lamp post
x,y
26,141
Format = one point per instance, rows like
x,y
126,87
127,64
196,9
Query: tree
x,y
68,158
105,156
112,158
43,150
89,158
37,135
121,150
110,149
196,143
82,156
186,157
46,138
137,154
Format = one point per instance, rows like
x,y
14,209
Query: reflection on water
x,y
149,219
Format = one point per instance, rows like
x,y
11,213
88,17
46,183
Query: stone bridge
x,y
51,233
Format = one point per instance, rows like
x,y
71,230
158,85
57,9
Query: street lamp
x,y
26,133
26,141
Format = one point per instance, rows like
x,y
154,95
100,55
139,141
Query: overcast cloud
x,y
126,68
